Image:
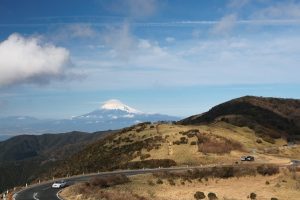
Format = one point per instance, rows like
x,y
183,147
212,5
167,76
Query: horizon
x,y
59,60
134,110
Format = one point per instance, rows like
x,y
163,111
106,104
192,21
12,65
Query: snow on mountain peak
x,y
115,104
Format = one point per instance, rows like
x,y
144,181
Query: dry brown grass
x,y
93,190
284,186
84,192
216,144
226,143
281,186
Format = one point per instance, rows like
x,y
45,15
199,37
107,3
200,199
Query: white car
x,y
59,184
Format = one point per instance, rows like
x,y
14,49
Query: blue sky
x,y
64,58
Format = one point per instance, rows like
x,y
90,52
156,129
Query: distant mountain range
x,y
112,115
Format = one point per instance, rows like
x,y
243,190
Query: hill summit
x,y
275,117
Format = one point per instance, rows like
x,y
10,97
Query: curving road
x,y
45,192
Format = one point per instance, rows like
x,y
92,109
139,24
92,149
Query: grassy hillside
x,y
24,157
272,117
47,145
246,126
154,145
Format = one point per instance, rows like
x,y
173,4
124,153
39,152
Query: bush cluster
x,y
152,163
190,133
183,140
252,196
199,195
218,145
217,172
267,170
159,181
212,196
108,181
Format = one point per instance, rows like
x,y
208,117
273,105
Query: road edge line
x,y
57,194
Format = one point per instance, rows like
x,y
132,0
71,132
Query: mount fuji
x,y
113,114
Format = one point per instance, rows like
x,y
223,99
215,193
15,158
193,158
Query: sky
x,y
180,57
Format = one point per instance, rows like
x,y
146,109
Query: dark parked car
x,y
247,158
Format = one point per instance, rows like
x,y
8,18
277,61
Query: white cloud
x,y
123,46
120,40
80,31
29,60
75,31
225,25
283,10
230,60
144,44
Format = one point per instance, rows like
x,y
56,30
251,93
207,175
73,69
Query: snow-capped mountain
x,y
112,114
115,104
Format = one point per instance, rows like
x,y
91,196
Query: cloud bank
x,y
28,60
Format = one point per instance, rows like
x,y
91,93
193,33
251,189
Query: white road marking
x,y
57,195
34,196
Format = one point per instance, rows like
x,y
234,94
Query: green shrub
x,y
193,143
274,198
